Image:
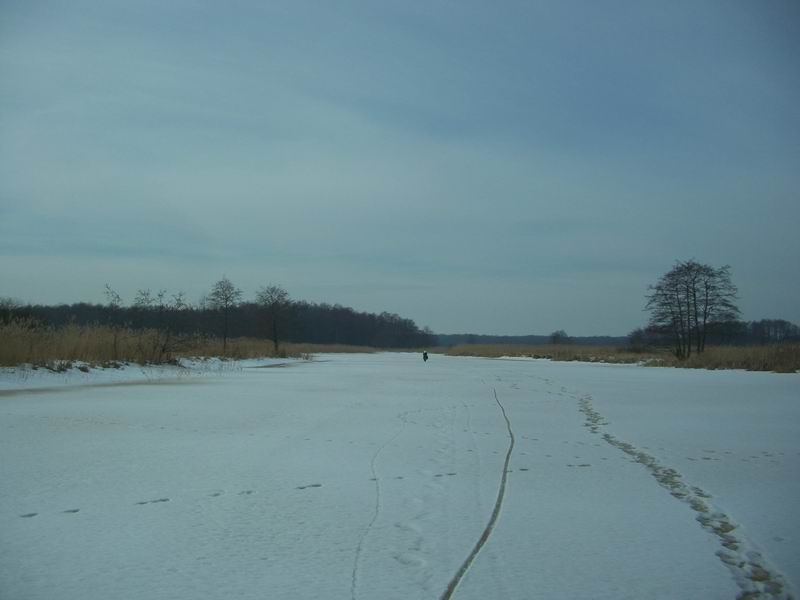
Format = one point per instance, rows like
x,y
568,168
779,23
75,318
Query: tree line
x,y
224,313
691,306
694,305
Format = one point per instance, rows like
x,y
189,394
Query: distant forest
x,y
731,333
334,324
274,315
528,340
302,322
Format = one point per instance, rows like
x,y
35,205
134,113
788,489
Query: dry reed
x,y
558,352
24,342
780,358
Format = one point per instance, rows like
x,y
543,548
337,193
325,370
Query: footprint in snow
x,y
246,493
72,511
28,515
410,559
311,485
152,501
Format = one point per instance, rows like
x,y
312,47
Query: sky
x,y
498,168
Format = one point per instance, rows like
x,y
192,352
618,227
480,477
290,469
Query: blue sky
x,y
509,168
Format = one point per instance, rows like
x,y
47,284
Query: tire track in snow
x,y
376,511
451,587
750,570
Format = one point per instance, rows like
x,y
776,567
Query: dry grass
x,y
328,349
780,358
24,342
559,352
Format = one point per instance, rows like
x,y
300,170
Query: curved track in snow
x,y
376,510
451,587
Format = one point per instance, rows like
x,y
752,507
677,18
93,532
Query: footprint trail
x,y
750,570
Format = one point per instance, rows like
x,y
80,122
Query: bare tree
x,y
224,297
637,340
8,308
768,331
114,305
275,302
114,299
169,313
687,300
559,337
159,320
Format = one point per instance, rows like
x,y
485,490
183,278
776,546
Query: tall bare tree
x,y
688,299
114,304
224,297
275,302
160,317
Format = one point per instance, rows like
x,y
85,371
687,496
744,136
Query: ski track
x,y
451,587
756,578
377,509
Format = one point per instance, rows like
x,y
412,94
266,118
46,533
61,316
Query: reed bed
x,y
25,342
559,352
305,348
779,358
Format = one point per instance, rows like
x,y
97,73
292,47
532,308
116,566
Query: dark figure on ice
x,y
425,356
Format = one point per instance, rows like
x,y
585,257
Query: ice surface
x,y
373,476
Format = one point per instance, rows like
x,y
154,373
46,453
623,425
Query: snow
x,y
374,476
28,377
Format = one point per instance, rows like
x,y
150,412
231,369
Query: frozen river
x,y
380,476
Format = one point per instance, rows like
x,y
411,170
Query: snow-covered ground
x,y
28,378
375,476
